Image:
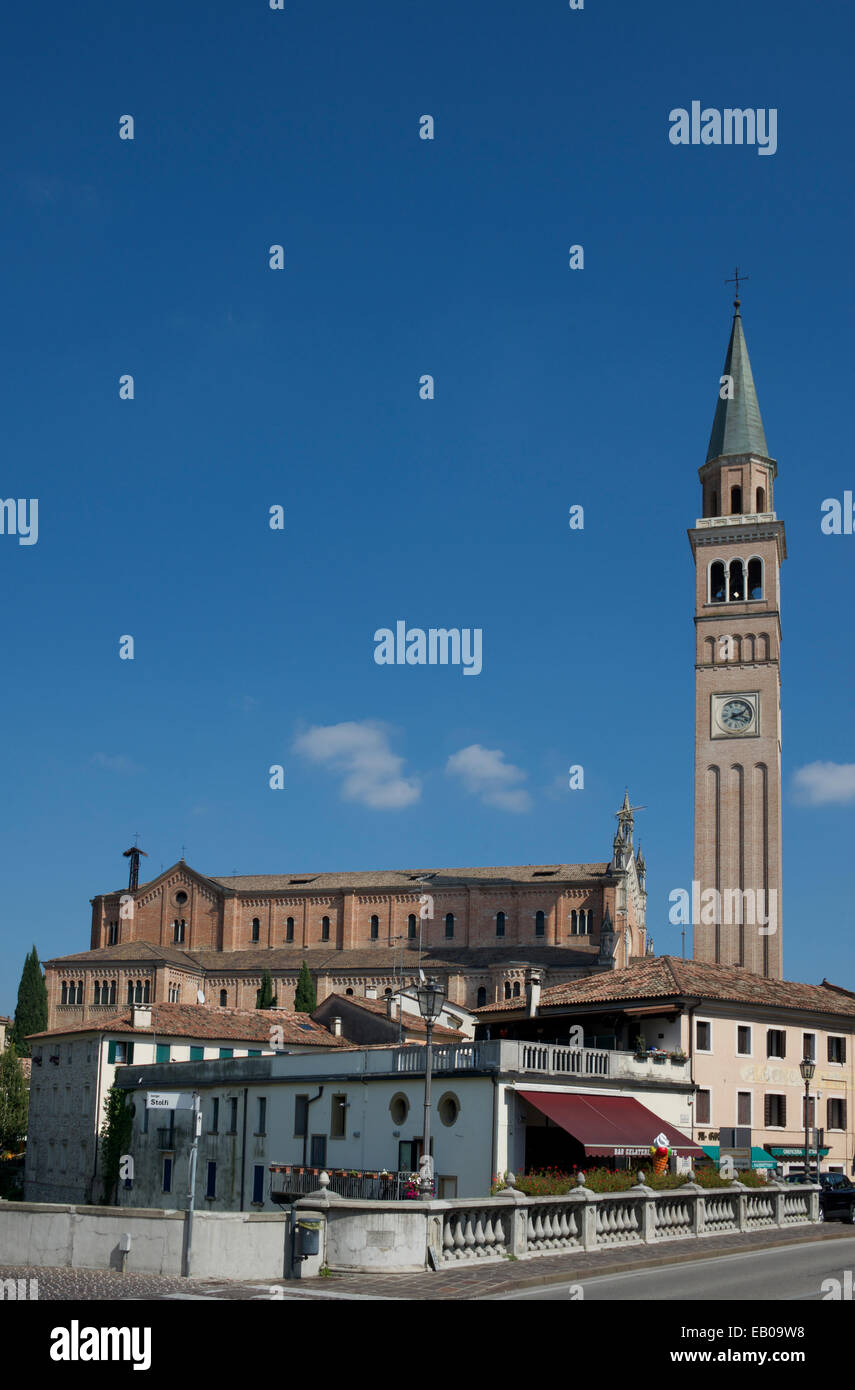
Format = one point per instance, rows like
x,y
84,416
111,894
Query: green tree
x,y
265,998
115,1139
13,1102
31,1012
305,1000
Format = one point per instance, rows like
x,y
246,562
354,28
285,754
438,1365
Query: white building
x,y
495,1106
74,1067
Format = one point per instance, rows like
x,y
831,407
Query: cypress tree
x,y
265,998
13,1102
115,1138
31,1012
305,1000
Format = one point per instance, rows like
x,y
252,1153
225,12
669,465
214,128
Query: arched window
x,y
500,923
761,499
256,929
80,991
130,991
449,924
411,926
348,991
482,998
178,930
113,992
714,504
289,929
736,501
755,578
147,992
96,998
138,992
64,994
375,928
507,989
539,924
574,923
516,989
737,582
325,929
717,583
224,998
388,993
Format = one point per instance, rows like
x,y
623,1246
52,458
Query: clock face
x,y
736,715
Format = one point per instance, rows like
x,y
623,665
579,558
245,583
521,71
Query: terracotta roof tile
x,y
663,976
200,1021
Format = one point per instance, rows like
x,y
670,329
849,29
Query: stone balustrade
x,y
407,1236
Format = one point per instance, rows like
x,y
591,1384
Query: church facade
x,y
485,933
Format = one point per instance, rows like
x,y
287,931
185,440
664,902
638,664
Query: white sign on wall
x,y
168,1100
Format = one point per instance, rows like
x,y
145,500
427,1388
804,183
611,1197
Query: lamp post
x,y
431,1000
807,1069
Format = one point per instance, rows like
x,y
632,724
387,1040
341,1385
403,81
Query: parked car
x,y
836,1198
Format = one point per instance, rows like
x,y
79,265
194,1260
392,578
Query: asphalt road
x,y
789,1272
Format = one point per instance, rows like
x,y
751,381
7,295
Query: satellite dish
x,y
200,996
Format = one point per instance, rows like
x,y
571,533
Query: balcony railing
x,y
289,1181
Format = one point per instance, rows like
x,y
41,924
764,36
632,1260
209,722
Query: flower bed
x,y
552,1182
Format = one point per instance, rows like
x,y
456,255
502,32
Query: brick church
x,y
492,934
485,933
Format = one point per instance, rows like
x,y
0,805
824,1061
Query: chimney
x,y
140,1016
370,992
533,988
335,1026
389,1010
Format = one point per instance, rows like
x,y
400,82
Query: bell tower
x,y
738,546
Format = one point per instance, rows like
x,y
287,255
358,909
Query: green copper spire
x,y
737,427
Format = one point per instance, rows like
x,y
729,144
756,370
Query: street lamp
x,y
431,1000
807,1069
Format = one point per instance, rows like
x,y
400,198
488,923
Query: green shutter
x,y
227,1052
254,1052
111,1052
197,1054
162,1052
130,1053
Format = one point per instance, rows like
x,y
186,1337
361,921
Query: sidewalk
x,y
485,1280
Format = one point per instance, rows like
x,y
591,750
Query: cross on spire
x,y
735,281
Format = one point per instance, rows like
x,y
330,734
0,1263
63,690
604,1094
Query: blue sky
x,y
300,388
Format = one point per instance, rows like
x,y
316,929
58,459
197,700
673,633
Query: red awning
x,y
617,1126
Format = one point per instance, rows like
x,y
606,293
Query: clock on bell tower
x,y
738,546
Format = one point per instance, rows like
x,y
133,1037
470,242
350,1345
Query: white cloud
x,y
484,773
822,784
372,772
115,762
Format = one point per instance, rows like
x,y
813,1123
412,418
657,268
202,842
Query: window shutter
x,y
767,1111
130,1053
783,1106
111,1052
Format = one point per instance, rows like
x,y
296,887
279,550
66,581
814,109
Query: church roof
x,y
416,880
326,960
737,427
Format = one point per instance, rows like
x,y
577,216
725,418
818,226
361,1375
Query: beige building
x,y
73,1068
744,1036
